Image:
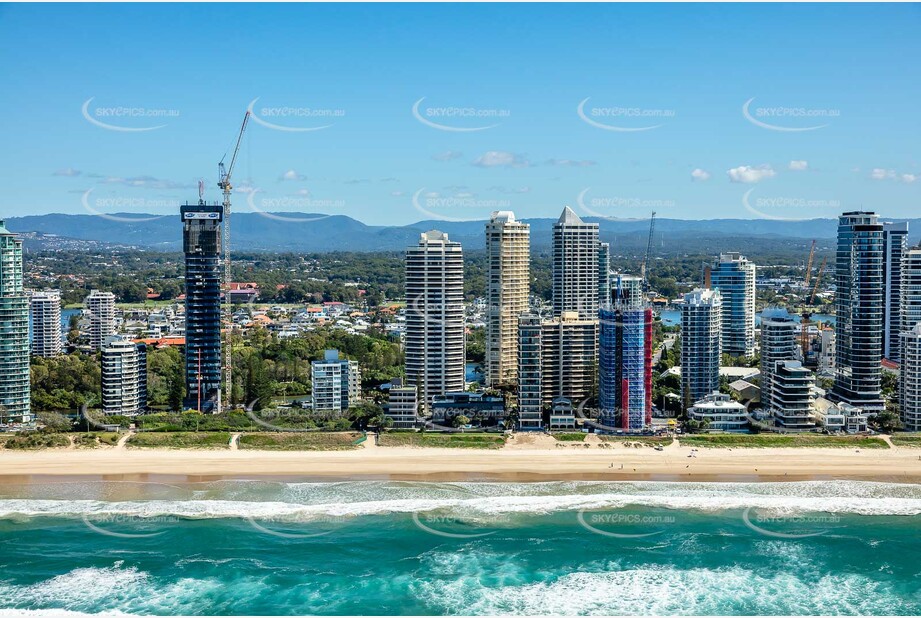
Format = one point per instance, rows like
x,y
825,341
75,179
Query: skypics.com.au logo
x,y
787,119
622,119
460,206
789,208
124,206
126,119
294,119
458,119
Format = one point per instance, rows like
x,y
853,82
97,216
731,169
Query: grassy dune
x,y
299,441
180,439
443,440
781,441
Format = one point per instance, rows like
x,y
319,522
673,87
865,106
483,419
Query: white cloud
x,y
146,182
502,189
749,174
699,174
571,163
67,171
292,175
799,166
397,193
499,158
879,173
447,155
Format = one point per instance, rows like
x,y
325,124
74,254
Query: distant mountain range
x,y
303,232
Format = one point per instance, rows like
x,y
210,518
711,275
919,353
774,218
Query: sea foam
x,y
304,502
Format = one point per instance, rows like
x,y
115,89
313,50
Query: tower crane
x,y
818,280
224,175
645,267
807,312
809,266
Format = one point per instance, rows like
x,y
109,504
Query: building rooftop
x,y
570,217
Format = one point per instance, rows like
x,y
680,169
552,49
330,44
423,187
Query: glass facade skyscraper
x,y
201,243
859,306
15,398
734,276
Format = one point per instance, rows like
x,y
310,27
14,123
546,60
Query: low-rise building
x,y
562,415
336,383
720,413
841,416
792,399
476,405
402,405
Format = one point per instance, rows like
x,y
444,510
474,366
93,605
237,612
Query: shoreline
x,y
533,463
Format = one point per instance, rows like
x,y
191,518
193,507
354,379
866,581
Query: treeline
x,y
324,277
264,366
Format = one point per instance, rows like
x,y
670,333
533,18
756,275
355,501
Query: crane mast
x,y
809,265
818,280
224,175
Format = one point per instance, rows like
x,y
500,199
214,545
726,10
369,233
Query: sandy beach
x,y
537,458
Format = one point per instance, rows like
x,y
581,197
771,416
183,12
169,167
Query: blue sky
x,y
519,72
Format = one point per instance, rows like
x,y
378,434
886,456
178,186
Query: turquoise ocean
x,y
389,547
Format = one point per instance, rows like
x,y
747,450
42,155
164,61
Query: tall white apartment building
x,y
910,379
895,245
827,350
701,328
101,309
46,323
792,396
734,276
574,267
911,289
434,336
336,383
508,245
124,376
779,332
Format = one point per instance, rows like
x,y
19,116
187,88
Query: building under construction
x,y
202,245
625,363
